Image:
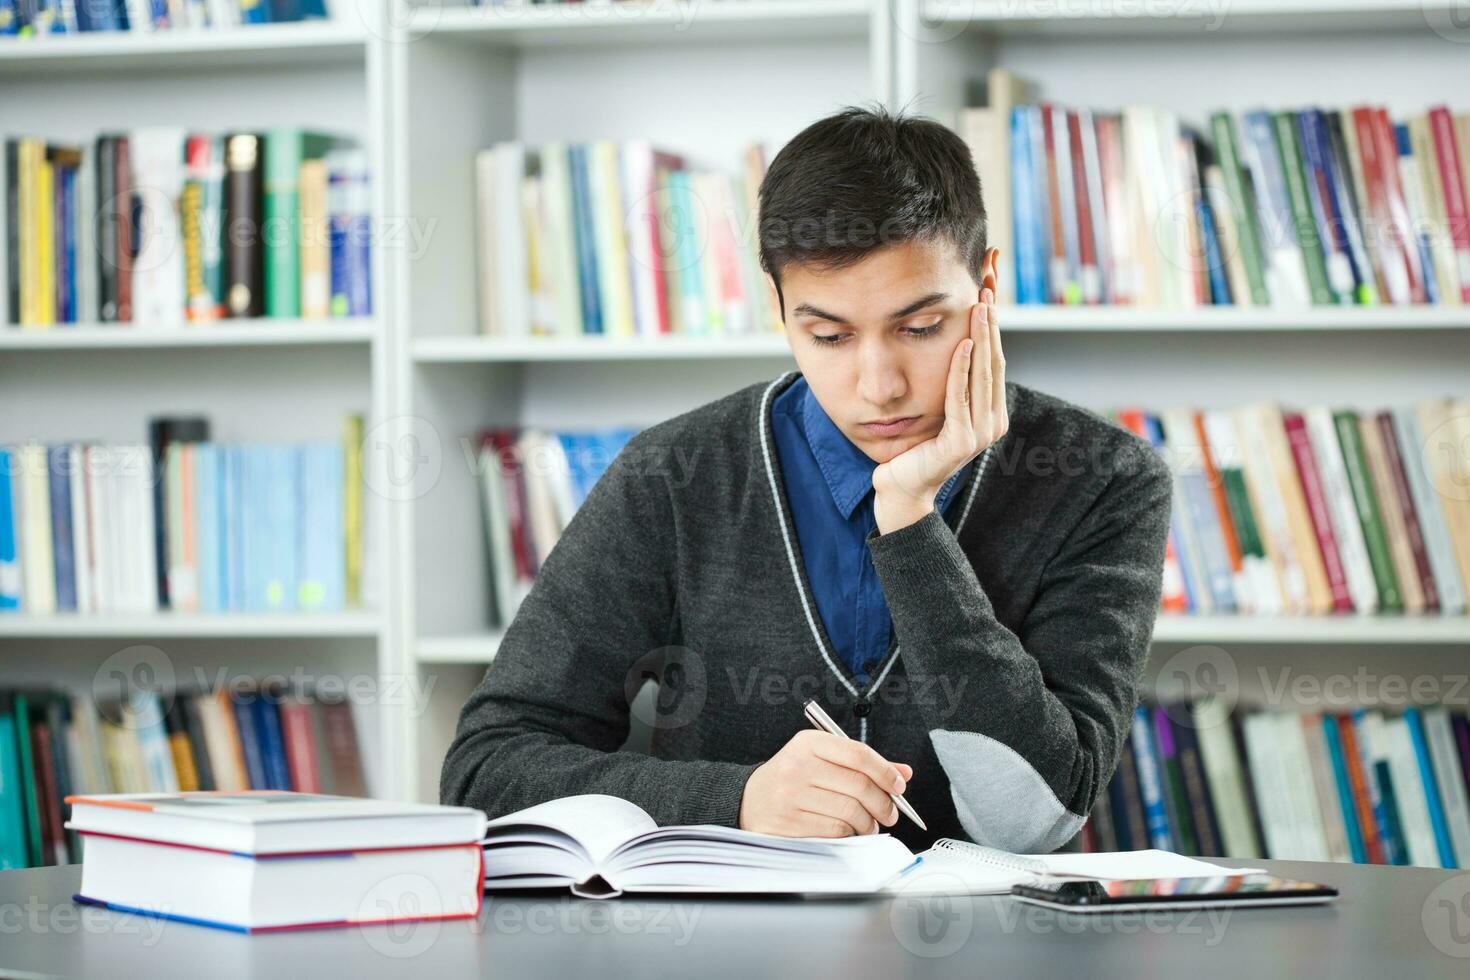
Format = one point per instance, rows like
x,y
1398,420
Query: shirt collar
x,y
847,469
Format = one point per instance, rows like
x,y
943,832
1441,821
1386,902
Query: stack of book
x,y
189,228
617,239
1285,207
41,18
248,735
531,483
263,861
1316,510
1362,786
186,524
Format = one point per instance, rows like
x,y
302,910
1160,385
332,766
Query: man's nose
x,y
880,374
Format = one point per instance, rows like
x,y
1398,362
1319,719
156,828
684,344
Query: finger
x,y
856,786
809,824
841,807
957,387
980,375
856,755
905,770
999,413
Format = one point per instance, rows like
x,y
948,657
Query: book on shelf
x,y
617,239
1365,786
277,860
191,228
52,18
1314,511
247,735
186,524
1268,207
531,483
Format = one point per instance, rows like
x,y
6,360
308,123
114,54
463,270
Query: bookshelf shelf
x,y
1177,17
306,43
430,350
1356,630
522,26
467,648
251,333
352,624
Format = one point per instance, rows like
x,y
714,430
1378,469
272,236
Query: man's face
x,y
874,339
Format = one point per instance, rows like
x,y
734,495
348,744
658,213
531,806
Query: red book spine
x,y
1414,529
48,801
1362,801
1306,467
1379,225
1086,243
502,447
1456,212
663,161
1057,274
1398,208
122,213
300,746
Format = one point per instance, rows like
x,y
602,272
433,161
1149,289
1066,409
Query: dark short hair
x,y
864,179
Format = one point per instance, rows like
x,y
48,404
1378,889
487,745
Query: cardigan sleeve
x,y
548,717
1037,739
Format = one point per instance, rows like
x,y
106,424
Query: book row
x,y
1284,207
531,483
38,18
1316,510
239,737
161,227
185,524
617,238
1362,786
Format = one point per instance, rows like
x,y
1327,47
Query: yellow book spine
x,y
352,507
45,249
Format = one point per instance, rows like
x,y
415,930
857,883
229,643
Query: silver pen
x,y
822,720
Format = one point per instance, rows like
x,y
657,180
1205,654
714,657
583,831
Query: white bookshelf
x,y
426,87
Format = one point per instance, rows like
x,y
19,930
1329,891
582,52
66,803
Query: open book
x,y
601,846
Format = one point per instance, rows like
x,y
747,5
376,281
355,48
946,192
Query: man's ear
x,y
990,270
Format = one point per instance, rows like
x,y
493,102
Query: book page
x,y
1134,865
598,823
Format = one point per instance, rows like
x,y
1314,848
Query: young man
x,y
962,570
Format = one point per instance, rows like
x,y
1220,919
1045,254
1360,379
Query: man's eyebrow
x,y
806,309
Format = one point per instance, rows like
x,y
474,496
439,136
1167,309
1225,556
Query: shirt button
x,y
862,709
870,667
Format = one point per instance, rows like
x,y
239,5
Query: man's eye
x,y
925,331
830,340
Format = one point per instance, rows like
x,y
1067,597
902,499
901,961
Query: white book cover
x,y
157,154
1324,778
1342,508
1450,778
1270,790
81,528
1226,779
1308,827
1408,790
97,497
1261,592
636,175
37,559
487,235
1270,509
1429,506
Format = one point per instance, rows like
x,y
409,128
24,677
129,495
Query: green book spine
x,y
1366,500
1237,498
1301,207
285,149
35,856
1242,202
13,830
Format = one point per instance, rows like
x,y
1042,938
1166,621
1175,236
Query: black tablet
x,y
1073,895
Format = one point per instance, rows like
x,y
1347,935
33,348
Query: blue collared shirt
x,y
829,485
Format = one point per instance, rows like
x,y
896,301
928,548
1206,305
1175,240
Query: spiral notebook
x,y
953,866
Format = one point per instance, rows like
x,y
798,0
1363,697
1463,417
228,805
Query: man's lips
x,y
892,426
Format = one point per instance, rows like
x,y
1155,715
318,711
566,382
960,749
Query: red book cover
x,y
48,801
502,445
1379,221
666,161
300,745
1306,467
1056,276
1362,800
121,207
342,748
1414,529
1442,125
1086,243
1398,208
1110,164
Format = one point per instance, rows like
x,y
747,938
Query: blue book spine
x,y
1191,588
1214,257
322,489
1344,790
248,730
206,523
158,10
67,285
255,523
692,293
235,496
158,760
63,557
1210,537
1320,158
10,576
1431,789
285,11
1030,260
12,795
255,12
272,744
1150,782
9,23
1375,776
585,244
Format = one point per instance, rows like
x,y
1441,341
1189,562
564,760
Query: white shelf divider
x,y
1350,630
222,333
348,624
